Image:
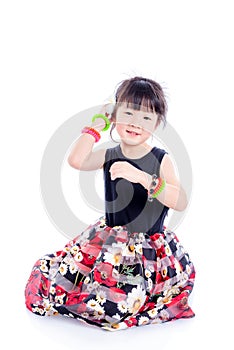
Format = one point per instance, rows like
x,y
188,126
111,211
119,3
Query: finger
x,y
114,166
107,109
113,176
119,164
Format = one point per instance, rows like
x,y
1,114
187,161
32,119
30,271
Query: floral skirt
x,y
113,279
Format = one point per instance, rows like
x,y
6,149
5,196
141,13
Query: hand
x,y
126,171
107,109
99,123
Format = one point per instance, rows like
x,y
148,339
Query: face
x,y
135,126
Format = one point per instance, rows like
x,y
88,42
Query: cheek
x,y
122,120
120,127
148,127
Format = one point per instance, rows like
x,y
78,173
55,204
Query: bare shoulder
x,y
167,170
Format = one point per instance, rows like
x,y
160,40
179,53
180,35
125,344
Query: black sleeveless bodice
x,y
126,203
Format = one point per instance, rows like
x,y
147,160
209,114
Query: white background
x,y
61,57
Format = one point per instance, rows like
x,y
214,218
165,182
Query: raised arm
x,y
82,156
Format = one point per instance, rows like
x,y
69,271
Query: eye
x,y
128,113
147,118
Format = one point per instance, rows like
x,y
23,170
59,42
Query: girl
x,y
126,269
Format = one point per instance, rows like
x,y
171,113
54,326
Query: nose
x,y
135,121
135,125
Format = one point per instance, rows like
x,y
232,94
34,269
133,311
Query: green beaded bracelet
x,y
161,188
102,116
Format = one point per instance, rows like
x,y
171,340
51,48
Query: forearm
x,y
81,150
172,196
84,146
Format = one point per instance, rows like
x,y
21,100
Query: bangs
x,y
140,95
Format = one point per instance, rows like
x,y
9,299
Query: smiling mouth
x,y
133,133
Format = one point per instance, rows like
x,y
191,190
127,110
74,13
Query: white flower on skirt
x,y
150,284
143,320
139,249
92,304
122,306
78,257
63,269
129,251
99,312
74,250
73,268
116,316
114,254
113,258
152,313
38,310
168,250
87,280
60,298
43,266
177,267
147,273
101,297
52,290
136,299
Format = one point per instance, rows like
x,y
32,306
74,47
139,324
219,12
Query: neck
x,y
135,151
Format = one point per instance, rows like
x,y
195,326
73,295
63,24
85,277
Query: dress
x,y
124,270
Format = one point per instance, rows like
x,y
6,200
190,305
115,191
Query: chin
x,y
131,142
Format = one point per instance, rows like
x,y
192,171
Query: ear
x,y
113,114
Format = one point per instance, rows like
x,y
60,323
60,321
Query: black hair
x,y
141,92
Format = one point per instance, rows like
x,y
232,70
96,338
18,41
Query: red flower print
x,y
59,290
73,296
36,288
59,252
131,322
88,259
103,274
155,236
82,296
159,277
179,306
147,306
44,286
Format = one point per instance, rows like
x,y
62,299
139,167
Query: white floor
x,y
59,58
